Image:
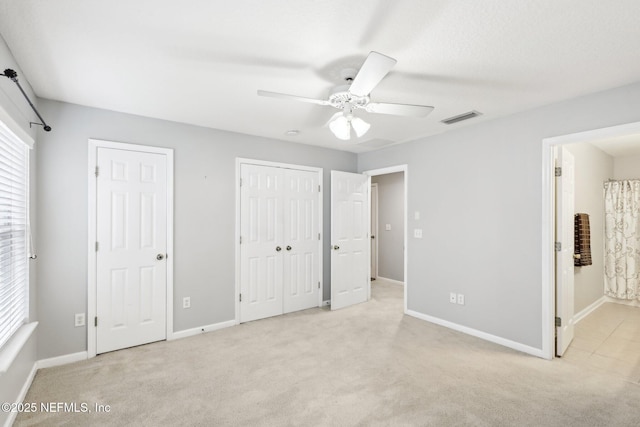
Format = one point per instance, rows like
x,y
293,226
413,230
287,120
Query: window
x,y
14,211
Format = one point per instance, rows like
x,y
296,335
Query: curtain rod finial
x,y
11,74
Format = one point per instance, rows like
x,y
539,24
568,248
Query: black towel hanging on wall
x,y
9,73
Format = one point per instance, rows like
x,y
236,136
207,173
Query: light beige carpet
x,y
360,366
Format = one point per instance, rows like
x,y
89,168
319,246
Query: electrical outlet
x,y
186,302
387,227
417,233
461,299
452,298
79,319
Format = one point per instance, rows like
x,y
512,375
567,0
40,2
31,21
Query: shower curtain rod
x,y
9,73
616,180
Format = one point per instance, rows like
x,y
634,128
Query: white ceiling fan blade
x,y
293,97
375,67
398,109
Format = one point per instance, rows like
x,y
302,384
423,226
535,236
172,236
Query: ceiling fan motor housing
x,y
340,97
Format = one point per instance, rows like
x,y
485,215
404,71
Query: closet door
x,y
261,249
301,276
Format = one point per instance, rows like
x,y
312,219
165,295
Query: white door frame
x,y
385,171
548,221
94,144
239,162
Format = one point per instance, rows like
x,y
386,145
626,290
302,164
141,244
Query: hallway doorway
x,y
389,227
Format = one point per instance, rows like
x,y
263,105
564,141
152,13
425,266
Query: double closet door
x,y
279,241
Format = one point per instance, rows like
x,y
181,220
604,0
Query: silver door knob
x,y
160,257
336,247
288,247
278,248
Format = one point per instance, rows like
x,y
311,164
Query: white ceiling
x,y
202,61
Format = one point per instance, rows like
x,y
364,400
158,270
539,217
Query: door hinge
x,y
240,239
318,285
558,171
318,188
558,246
95,321
240,182
96,172
558,321
96,246
318,236
240,297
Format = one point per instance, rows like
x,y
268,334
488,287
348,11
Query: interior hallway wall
x,y
390,211
204,216
592,167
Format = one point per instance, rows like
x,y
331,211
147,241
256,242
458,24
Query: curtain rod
x,y
9,73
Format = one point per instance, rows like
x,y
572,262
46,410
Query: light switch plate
x,y
387,227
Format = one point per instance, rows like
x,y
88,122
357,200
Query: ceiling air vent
x,y
461,117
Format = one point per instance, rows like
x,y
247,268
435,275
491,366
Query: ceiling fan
x,y
355,95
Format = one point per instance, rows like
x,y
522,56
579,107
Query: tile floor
x,y
608,340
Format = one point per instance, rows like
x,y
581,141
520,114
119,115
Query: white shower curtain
x,y
622,239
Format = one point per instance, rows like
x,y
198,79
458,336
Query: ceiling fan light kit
x,y
355,95
342,124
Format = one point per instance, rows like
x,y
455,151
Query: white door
x,y
261,248
374,231
131,271
350,243
301,249
564,258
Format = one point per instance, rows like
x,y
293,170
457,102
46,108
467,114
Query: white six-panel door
x,y
350,258
261,251
131,224
279,251
301,267
565,210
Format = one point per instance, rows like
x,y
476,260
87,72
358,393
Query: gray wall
x,y
479,192
390,211
17,113
204,226
626,167
592,167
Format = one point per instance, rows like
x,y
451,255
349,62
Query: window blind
x,y
14,268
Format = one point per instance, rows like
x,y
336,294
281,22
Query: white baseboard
x,y
39,364
632,303
394,282
479,334
62,360
588,310
23,393
201,330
